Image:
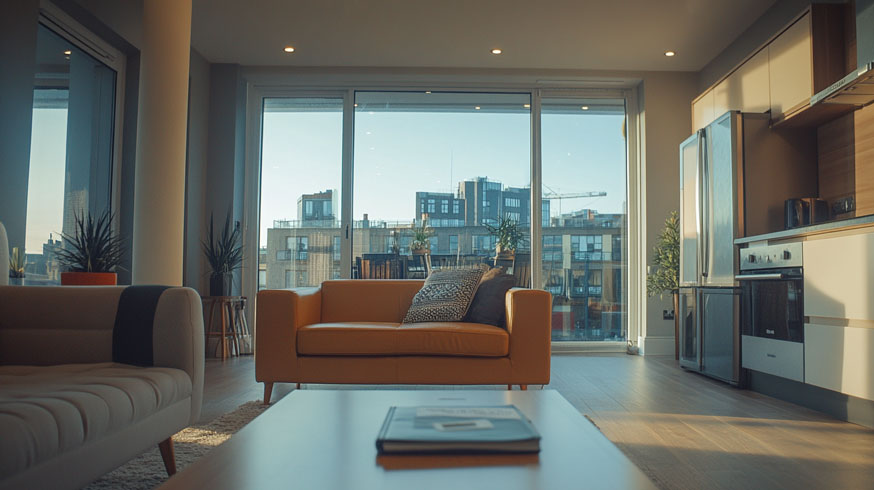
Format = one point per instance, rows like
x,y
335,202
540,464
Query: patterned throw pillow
x,y
445,297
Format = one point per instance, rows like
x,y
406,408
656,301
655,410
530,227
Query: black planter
x,y
220,284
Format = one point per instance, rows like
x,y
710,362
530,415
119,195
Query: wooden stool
x,y
232,325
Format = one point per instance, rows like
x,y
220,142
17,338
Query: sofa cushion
x,y
45,411
445,297
393,339
489,304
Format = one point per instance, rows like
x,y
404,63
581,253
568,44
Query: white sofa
x,y
73,404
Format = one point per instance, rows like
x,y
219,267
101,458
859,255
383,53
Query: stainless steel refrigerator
x,y
711,218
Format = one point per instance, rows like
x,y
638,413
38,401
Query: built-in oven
x,y
772,312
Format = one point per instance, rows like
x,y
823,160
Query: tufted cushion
x,y
445,297
45,411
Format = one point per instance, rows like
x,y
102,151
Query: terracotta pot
x,y
89,278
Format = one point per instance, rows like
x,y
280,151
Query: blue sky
x,y
45,192
400,153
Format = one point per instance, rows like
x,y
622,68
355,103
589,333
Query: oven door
x,y
773,304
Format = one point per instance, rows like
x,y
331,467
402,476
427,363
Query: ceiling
x,y
561,34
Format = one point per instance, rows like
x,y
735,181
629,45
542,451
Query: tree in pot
x,y
92,253
507,235
664,275
422,234
224,254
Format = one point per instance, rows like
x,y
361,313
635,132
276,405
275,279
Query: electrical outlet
x,y
845,205
668,314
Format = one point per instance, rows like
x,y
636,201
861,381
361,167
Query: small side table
x,y
232,325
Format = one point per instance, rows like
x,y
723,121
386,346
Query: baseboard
x,y
656,345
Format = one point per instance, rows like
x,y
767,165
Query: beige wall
x,y
666,122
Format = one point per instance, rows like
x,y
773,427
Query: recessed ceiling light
x,y
526,106
497,51
355,104
477,107
68,52
585,108
289,49
670,53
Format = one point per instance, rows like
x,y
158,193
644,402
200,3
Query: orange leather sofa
x,y
350,331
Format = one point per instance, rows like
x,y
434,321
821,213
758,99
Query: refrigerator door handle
x,y
699,208
705,206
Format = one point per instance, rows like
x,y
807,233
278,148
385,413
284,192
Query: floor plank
x,y
685,430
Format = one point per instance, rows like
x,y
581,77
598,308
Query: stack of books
x,y
492,429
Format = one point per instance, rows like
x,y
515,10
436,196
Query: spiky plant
x,y
93,247
665,275
507,234
225,251
17,263
422,236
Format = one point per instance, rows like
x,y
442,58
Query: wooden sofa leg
x,y
523,387
297,387
268,390
510,387
168,455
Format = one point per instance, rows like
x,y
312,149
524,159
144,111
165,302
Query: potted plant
x,y
422,238
17,263
664,275
92,253
507,237
224,254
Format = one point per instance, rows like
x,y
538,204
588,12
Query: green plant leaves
x,y
224,252
507,233
666,259
93,247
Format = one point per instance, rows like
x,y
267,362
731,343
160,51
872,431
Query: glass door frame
x,y
634,276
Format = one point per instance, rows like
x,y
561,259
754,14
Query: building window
x,y
512,202
444,206
431,206
297,246
453,244
433,241
308,209
513,217
456,207
336,250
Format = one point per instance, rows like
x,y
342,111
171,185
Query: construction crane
x,y
572,195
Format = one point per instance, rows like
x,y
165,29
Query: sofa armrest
x,y
279,314
177,339
529,325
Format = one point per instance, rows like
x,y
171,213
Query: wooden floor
x,y
684,430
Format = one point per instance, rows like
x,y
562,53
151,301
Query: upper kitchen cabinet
x,y
790,69
703,111
746,89
805,58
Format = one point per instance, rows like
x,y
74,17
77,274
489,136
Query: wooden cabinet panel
x,y
750,86
790,68
702,111
840,359
839,277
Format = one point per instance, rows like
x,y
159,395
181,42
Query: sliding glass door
x,y
301,150
584,263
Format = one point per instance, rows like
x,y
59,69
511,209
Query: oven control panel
x,y
771,256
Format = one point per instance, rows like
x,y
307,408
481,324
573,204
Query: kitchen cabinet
x,y
839,311
840,358
703,111
782,75
839,277
790,68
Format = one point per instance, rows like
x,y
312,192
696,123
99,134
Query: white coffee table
x,y
325,439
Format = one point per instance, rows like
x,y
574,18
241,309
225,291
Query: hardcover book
x,y
489,429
